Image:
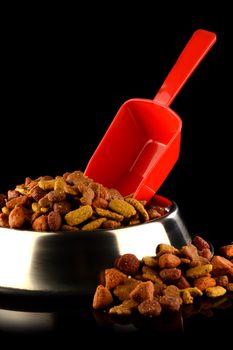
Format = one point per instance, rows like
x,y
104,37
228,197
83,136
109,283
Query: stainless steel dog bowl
x,y
66,263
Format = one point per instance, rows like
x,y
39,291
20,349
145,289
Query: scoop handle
x,y
195,50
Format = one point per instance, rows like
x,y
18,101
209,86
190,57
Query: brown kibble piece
x,y
182,283
114,194
206,253
56,196
44,202
153,213
40,223
37,193
102,298
230,274
128,264
4,220
113,278
111,224
170,274
31,185
134,221
88,196
150,308
62,208
221,265
35,216
173,291
158,289
200,243
162,211
222,280
124,309
22,200
76,177
227,250
170,303
150,261
54,221
205,282
2,200
143,291
45,177
169,261
191,252
12,194
16,217
166,248
100,191
185,261
69,228
100,203
123,290
72,190
229,287
149,274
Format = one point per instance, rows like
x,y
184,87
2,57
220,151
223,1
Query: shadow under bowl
x,y
66,263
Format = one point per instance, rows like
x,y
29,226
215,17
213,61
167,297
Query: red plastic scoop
x,y
142,143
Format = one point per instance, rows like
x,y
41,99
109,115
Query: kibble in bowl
x,y
58,234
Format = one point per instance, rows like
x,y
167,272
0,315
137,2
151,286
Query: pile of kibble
x,y
71,202
167,281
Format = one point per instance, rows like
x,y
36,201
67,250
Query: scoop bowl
x,y
142,144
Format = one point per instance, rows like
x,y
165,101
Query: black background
x,y
65,75
66,71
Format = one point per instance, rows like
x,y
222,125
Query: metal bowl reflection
x,y
65,263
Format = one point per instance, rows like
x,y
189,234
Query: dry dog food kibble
x,y
71,202
166,281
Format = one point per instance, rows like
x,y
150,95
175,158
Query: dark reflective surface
x,y
74,319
